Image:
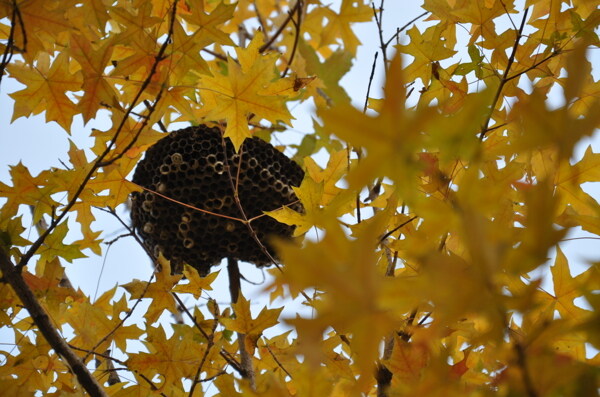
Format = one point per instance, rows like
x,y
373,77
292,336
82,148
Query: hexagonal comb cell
x,y
191,166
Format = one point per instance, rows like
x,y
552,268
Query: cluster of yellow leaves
x,y
426,240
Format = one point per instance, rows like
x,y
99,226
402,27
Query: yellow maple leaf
x,y
27,190
96,89
54,247
92,324
320,197
334,27
337,166
426,48
245,91
159,291
243,322
310,194
46,88
196,284
208,31
173,358
566,287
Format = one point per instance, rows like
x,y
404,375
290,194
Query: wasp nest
x,y
190,166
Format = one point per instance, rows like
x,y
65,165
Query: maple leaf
x,y
91,323
54,247
566,287
27,190
310,194
196,284
173,359
481,17
208,31
114,179
320,197
46,88
96,90
407,361
351,277
243,322
244,91
337,166
328,72
424,53
45,22
338,25
159,291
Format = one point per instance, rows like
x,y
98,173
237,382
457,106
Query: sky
x,y
39,146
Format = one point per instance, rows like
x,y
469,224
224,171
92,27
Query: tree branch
x,y
245,357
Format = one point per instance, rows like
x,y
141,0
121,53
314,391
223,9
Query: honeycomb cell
x,y
177,158
190,166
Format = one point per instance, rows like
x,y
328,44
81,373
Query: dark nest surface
x,y
193,167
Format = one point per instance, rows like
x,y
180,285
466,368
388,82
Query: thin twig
x,y
151,107
400,30
379,23
535,65
215,54
277,361
522,363
388,234
297,25
504,78
370,82
268,44
260,19
8,50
